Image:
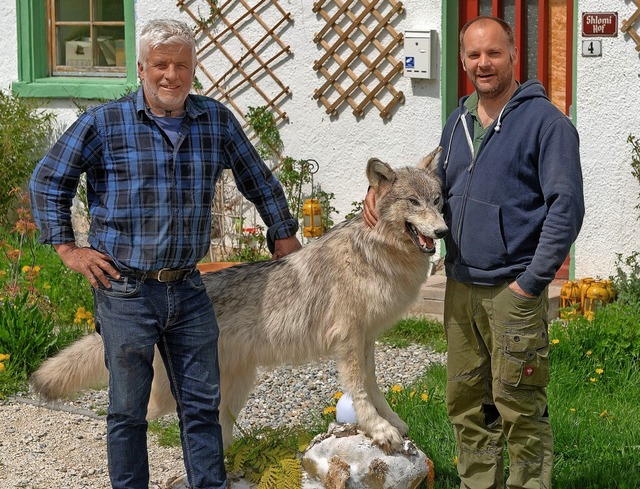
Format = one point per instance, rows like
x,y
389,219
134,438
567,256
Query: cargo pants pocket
x,y
525,348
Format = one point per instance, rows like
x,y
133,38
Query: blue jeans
x,y
133,317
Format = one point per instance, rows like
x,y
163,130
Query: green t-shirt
x,y
478,131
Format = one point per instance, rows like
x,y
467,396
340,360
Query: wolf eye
x,y
436,201
413,201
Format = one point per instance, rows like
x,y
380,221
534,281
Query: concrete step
x,y
430,302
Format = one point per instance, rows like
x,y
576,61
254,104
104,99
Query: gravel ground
x,y
63,446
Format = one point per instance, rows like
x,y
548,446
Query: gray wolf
x,y
332,298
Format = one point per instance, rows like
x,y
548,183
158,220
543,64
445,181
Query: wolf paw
x,y
387,437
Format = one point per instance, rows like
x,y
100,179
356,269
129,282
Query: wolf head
x,y
409,201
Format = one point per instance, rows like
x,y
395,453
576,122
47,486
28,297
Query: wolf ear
x,y
380,173
430,162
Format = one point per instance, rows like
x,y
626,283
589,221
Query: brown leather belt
x,y
163,275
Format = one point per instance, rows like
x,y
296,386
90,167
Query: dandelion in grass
x,y
396,388
329,410
555,341
412,394
593,380
599,371
572,410
337,395
424,397
604,414
589,352
1,366
455,460
4,357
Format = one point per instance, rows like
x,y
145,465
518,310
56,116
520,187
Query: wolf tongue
x,y
425,241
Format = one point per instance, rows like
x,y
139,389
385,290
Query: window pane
x,y
532,39
510,13
485,7
108,10
74,46
111,46
73,10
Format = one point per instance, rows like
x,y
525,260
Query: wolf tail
x,y
78,367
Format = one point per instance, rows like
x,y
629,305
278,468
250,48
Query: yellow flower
x,y
589,353
396,388
455,460
4,357
593,379
337,395
1,367
424,396
46,286
573,410
555,341
599,371
412,394
26,268
604,413
330,410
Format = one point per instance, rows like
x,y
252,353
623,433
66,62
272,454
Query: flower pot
x,y
215,266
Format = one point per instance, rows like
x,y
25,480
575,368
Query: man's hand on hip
x,y
89,262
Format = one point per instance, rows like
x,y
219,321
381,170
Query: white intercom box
x,y
419,54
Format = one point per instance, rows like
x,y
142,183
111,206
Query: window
x,y
100,65
87,38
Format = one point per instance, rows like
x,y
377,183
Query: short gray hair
x,y
161,32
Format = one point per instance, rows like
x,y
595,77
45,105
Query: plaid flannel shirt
x,y
150,202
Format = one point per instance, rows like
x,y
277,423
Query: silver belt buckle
x,y
160,275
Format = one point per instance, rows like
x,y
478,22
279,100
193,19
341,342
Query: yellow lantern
x,y
597,293
569,294
312,218
584,284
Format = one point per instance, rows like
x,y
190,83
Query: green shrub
x,y
26,335
24,133
627,279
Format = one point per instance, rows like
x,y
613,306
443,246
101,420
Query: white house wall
x,y
607,94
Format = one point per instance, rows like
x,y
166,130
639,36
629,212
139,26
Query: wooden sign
x,y
599,24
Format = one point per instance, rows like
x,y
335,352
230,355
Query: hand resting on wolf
x,y
332,298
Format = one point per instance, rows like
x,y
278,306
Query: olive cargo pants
x,y
497,372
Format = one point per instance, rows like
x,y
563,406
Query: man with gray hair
x,y
152,159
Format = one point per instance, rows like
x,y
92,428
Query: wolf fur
x,y
332,298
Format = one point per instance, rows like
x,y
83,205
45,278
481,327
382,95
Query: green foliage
x,y
286,475
416,330
264,126
44,305
269,456
357,206
635,160
24,133
167,432
627,279
293,174
25,334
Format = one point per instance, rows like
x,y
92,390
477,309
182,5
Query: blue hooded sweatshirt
x,y
514,208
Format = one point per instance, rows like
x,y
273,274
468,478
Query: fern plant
x,y
269,456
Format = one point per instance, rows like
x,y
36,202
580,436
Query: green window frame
x,y
34,79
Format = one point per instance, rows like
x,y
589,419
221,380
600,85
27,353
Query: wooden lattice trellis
x,y
627,25
358,64
248,58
